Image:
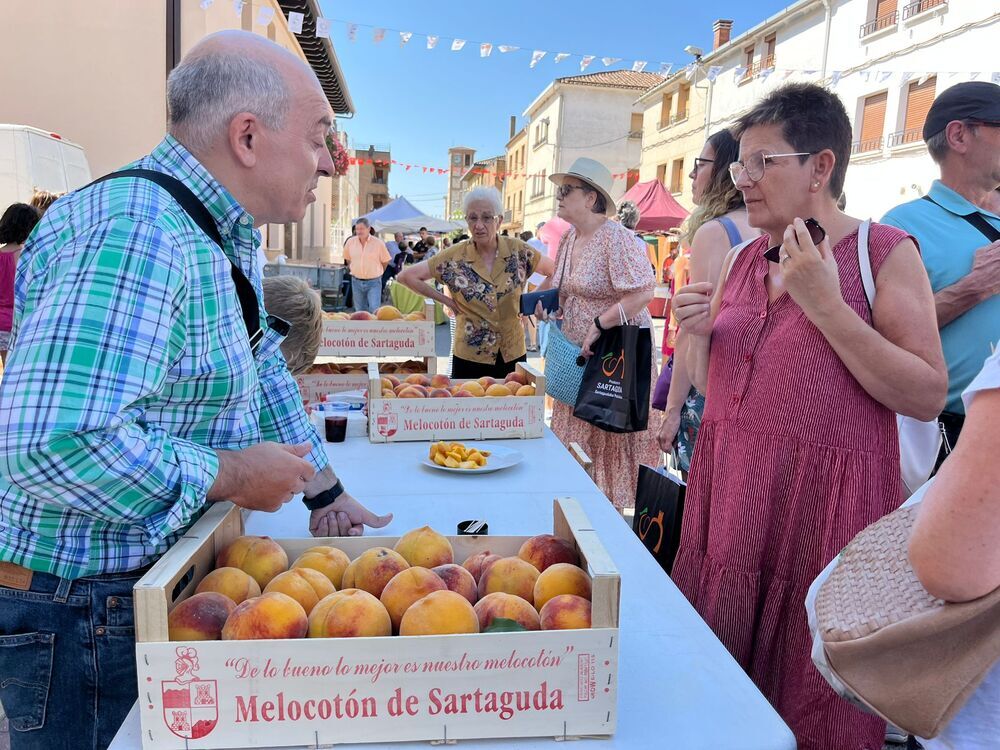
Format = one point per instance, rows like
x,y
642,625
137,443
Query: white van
x,y
31,158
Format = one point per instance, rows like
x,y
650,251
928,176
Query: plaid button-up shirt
x,y
130,365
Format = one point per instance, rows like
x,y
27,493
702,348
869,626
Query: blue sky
x,y
421,102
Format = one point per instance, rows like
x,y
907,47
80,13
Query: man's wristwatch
x,y
324,498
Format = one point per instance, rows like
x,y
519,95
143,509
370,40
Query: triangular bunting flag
x,y
690,71
665,69
404,37
713,72
905,76
378,36
561,56
352,30
835,77
765,73
457,44
323,29
974,76
638,66
432,42
995,78
609,61
265,16
785,74
586,61
205,4
295,22
884,76
485,49
238,6
536,56
739,71
505,48
923,78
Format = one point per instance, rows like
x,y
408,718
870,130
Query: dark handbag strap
x,y
200,215
977,220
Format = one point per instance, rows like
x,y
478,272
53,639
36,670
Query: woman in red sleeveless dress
x,y
798,449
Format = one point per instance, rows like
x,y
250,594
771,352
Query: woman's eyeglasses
x,y
755,164
698,161
816,233
565,189
485,218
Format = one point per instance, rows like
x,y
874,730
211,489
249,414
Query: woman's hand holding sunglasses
x,y
692,307
809,270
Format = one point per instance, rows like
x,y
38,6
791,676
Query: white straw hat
x,y
592,172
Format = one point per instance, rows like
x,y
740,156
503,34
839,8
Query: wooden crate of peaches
x,y
333,377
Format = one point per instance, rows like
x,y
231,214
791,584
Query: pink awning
x,y
658,211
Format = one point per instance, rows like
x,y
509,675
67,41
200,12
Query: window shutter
x,y
873,118
885,7
918,101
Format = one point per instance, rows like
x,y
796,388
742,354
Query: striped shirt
x,y
130,365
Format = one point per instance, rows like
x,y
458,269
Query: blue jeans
x,y
367,294
543,336
67,660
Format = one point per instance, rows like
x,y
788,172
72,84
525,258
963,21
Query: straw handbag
x,y
885,644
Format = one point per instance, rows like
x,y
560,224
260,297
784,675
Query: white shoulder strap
x,y
865,261
733,254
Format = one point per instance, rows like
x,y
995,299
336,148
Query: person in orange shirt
x,y
367,257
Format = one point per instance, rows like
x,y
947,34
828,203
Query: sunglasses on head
x,y
816,233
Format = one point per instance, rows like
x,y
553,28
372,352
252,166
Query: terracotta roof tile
x,y
619,79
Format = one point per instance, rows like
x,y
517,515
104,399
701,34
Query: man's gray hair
x,y
483,194
206,91
364,221
295,302
628,214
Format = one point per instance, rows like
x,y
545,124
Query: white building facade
x,y
595,116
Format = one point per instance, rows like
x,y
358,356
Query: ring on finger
x,y
784,258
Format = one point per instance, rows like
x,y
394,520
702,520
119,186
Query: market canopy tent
x,y
658,211
402,216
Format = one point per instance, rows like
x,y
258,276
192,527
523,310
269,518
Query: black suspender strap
x,y
194,208
977,220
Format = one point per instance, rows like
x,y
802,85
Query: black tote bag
x,y
659,507
614,393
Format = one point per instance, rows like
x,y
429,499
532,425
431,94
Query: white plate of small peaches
x,y
470,458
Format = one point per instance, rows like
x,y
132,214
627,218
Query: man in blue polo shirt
x,y
958,227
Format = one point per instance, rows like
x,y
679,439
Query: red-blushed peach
x,y
425,547
516,377
407,587
350,613
268,617
440,381
459,580
329,561
439,613
561,578
418,379
375,567
362,315
486,381
498,390
508,606
200,617
304,585
231,582
545,550
479,562
260,556
439,393
512,575
565,612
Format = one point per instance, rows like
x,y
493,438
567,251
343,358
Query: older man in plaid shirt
x,y
134,396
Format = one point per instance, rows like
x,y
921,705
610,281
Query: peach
x,y
417,379
269,616
462,393
508,606
375,567
414,316
439,613
200,617
260,556
497,390
393,380
426,547
459,580
388,394
388,312
351,613
439,393
362,315
347,582
525,390
407,587
479,562
565,612
545,550
561,578
440,381
304,585
454,389
486,381
512,575
474,388
231,582
329,561
411,391
387,385
516,377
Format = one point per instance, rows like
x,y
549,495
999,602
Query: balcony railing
x,y
887,21
635,134
902,137
920,6
679,117
866,146
754,70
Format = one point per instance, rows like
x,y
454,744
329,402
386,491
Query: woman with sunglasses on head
x,y
798,449
718,223
599,269
485,276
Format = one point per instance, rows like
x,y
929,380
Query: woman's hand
x,y
589,340
809,272
543,315
668,429
692,308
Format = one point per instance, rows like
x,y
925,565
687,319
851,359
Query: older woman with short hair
x,y
298,304
798,449
485,276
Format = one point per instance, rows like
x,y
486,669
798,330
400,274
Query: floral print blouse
x,y
488,322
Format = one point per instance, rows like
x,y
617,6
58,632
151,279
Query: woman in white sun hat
x,y
598,268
